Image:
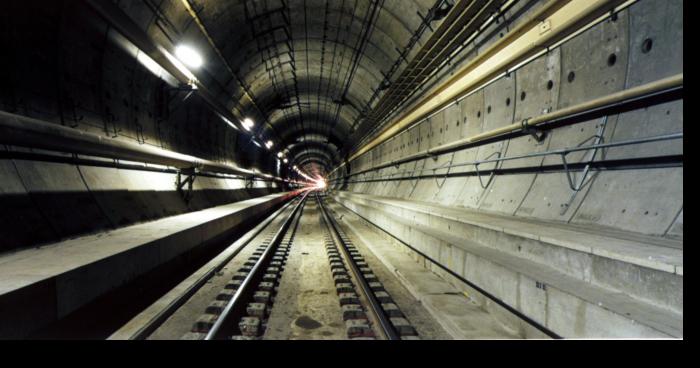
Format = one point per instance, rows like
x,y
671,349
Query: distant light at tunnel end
x,y
188,56
320,184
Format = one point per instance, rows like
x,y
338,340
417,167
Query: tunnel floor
x,y
306,304
308,265
310,270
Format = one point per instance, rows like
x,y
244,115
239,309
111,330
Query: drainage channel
x,y
368,310
241,308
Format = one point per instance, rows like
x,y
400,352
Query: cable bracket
x,y
538,134
190,174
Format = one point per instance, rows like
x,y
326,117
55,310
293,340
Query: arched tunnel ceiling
x,y
310,66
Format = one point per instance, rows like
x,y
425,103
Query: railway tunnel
x,y
347,169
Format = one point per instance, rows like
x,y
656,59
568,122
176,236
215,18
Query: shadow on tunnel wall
x,y
35,218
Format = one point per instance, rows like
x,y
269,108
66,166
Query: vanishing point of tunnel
x,y
341,169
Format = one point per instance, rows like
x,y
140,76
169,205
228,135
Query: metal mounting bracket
x,y
536,133
190,174
585,178
493,172
173,92
447,172
249,182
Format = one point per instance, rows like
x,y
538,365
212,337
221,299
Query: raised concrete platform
x,y
208,279
39,286
458,312
580,282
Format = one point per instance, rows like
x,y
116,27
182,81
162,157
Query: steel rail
x,y
386,328
227,317
228,254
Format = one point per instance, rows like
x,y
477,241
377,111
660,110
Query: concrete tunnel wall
x,y
644,44
83,77
78,76
610,57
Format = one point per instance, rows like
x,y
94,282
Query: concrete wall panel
x,y
594,63
506,193
157,192
656,46
473,114
551,198
653,121
499,102
452,123
642,202
22,221
450,190
59,192
120,202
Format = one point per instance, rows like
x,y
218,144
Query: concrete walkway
x,y
457,312
39,286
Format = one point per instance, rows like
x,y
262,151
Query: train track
x,y
369,311
240,310
233,296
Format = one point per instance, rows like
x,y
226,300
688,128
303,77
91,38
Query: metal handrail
x,y
19,130
669,86
561,152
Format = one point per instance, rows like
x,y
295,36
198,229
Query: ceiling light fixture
x,y
248,124
188,56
